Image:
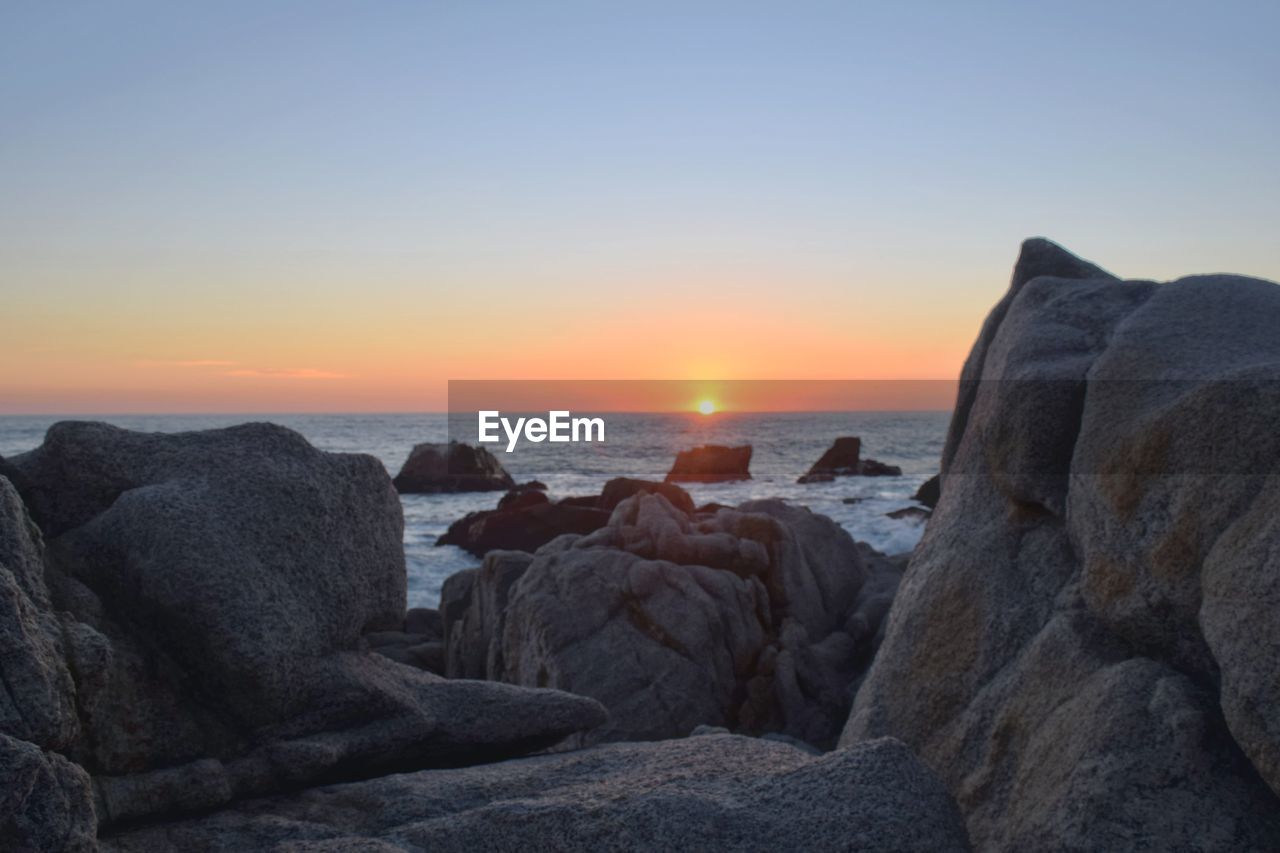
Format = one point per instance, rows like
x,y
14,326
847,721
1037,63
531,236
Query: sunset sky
x,y
268,207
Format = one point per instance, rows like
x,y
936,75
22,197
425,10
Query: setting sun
x,y
707,407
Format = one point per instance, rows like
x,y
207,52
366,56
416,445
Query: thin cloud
x,y
187,362
285,373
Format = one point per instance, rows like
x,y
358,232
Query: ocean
x,y
635,445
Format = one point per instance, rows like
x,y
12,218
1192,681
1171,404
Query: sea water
x,y
636,445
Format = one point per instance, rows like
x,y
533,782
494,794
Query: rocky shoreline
x,y
206,644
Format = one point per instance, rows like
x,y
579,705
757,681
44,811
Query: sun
x,y
707,407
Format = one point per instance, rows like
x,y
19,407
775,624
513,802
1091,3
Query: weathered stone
x,y
718,792
46,804
844,459
757,618
1095,590
452,467
37,696
222,585
711,463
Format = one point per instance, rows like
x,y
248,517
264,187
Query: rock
x,y
711,463
717,792
46,802
527,520
929,492
619,489
910,513
37,703
451,467
844,459
424,621
217,589
1084,643
757,618
520,498
526,526
473,616
851,501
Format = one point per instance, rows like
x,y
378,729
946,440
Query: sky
x,y
320,206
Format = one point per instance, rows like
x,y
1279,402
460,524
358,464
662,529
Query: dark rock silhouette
x,y
909,513
451,467
844,459
929,492
526,522
1085,643
711,463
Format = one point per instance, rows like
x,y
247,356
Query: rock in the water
x,y
217,589
619,489
452,467
844,459
758,618
524,525
1085,643
929,492
711,463
718,792
909,513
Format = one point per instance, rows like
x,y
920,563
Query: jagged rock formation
x,y
526,519
212,593
452,467
717,792
711,463
844,459
758,618
1085,645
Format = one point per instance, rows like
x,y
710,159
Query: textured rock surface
x,y
1084,645
46,803
706,793
452,467
218,588
844,459
712,463
758,618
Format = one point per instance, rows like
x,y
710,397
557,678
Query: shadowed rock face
x,y
1085,644
758,618
714,792
214,590
451,467
711,463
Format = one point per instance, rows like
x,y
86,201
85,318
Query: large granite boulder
x,y
452,467
844,459
1085,644
715,792
711,463
215,590
758,618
